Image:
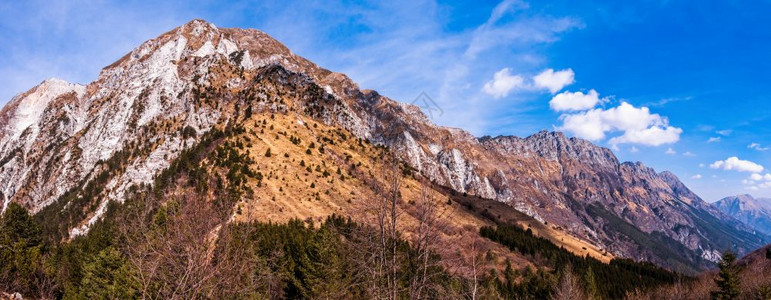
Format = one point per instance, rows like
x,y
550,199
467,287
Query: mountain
x,y
751,274
625,207
68,151
756,213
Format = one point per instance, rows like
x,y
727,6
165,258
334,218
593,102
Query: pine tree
x,y
248,113
21,247
592,291
107,275
727,279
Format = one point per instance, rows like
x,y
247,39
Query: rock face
x,y
756,213
625,207
156,101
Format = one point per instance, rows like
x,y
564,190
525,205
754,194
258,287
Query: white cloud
x,y
567,101
639,125
736,164
725,132
702,165
670,151
697,176
652,136
503,82
758,181
713,139
554,81
757,146
689,154
634,149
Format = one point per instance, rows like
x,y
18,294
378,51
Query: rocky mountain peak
x,y
743,202
756,213
554,145
123,129
24,111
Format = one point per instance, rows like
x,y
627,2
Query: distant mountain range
x,y
756,213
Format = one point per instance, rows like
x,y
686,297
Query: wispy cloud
x,y
665,101
404,48
400,48
72,40
509,26
757,146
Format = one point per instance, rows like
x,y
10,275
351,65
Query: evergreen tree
x,y
592,291
727,279
108,276
329,278
21,250
248,113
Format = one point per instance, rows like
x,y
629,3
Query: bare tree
x,y
240,273
134,230
389,219
171,248
425,238
569,288
379,250
472,265
477,267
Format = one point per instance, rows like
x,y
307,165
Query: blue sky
x,y
679,85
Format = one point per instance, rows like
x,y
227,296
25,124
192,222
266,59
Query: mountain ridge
x,y
165,86
754,212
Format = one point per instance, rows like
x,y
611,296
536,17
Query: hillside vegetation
x,y
194,234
